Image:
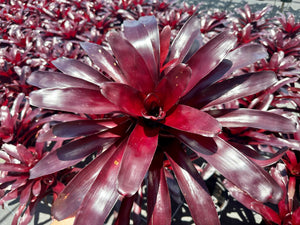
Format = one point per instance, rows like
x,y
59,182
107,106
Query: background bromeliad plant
x,y
143,107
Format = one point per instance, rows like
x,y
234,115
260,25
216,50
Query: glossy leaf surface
x,y
246,175
104,60
134,67
137,158
191,120
66,99
252,204
137,34
185,39
209,56
234,88
79,69
128,99
103,194
174,82
70,199
70,154
254,118
158,199
43,79
81,127
192,187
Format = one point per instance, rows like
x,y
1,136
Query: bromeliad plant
x,y
155,104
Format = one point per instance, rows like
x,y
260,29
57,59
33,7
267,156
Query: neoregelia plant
x,y
159,99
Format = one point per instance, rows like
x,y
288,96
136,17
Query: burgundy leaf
x,y
12,151
209,56
36,188
81,127
70,199
72,153
135,31
296,216
192,186
158,199
211,78
44,79
104,60
25,154
185,39
192,120
139,152
151,26
254,118
78,100
125,210
260,138
12,167
9,196
246,55
243,173
257,157
234,88
251,203
25,193
125,97
79,70
103,193
164,37
134,67
173,82
20,181
199,143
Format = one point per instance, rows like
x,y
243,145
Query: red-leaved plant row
x,y
134,92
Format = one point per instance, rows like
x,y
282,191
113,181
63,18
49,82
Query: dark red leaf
x,y
164,37
151,26
125,211
211,78
192,120
251,203
234,88
103,193
246,55
139,152
243,173
72,153
259,158
128,99
173,82
79,70
36,188
199,143
184,40
82,127
78,100
44,79
135,31
70,199
209,56
12,167
134,67
158,199
192,187
254,118
104,60
25,193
